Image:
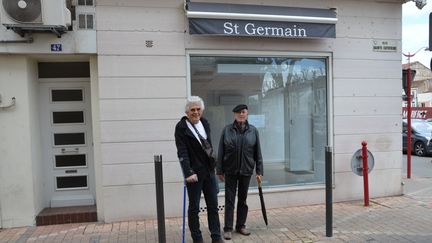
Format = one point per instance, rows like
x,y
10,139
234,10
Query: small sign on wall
x,y
56,47
384,45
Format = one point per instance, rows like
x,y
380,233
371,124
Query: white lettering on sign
x,y
249,27
252,29
415,114
230,29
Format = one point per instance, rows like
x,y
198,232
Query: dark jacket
x,y
239,153
193,159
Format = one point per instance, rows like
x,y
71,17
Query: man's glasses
x,y
195,109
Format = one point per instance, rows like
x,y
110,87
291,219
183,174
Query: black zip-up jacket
x,y
239,153
193,159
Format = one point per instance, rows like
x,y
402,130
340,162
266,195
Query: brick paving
x,y
389,219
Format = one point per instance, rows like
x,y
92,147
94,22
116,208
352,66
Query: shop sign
x,y
224,19
224,27
418,112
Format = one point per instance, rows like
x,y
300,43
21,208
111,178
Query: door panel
x,y
71,182
70,160
66,94
67,117
67,141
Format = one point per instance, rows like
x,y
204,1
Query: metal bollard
x,y
160,198
329,191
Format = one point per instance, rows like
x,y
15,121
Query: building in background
x,y
421,85
96,99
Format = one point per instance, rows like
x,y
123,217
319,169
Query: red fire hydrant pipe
x,y
365,173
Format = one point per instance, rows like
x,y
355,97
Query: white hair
x,y
194,100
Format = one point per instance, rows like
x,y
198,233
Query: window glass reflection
x,y
287,99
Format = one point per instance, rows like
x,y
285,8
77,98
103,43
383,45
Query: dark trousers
x,y
232,183
208,185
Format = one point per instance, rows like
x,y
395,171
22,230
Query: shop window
x,y
287,100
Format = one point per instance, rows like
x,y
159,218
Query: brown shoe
x,y
243,231
227,235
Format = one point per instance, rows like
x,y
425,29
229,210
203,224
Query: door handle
x,y
75,150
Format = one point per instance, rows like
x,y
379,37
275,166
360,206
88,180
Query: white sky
x,y
415,32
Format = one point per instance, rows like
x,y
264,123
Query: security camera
x,y
420,3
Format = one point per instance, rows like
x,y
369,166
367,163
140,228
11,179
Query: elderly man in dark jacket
x,y
239,154
192,134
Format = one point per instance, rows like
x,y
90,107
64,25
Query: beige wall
x,y
142,91
38,175
20,196
94,86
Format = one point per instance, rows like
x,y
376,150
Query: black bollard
x,y
329,191
160,198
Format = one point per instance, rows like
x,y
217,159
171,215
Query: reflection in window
x,y
287,100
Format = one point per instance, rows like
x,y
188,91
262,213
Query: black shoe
x,y
243,231
198,241
218,241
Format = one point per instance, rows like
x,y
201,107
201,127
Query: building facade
x,y
92,108
421,85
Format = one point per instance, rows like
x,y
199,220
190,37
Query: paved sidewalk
x,y
390,219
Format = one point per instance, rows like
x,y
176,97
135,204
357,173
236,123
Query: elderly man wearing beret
x,y
239,154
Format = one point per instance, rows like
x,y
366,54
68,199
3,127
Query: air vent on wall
x,y
23,11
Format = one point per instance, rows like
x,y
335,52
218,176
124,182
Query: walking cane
x,y
184,211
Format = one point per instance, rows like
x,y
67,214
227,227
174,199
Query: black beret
x,y
240,107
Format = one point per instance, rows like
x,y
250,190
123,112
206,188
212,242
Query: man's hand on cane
x,y
259,178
